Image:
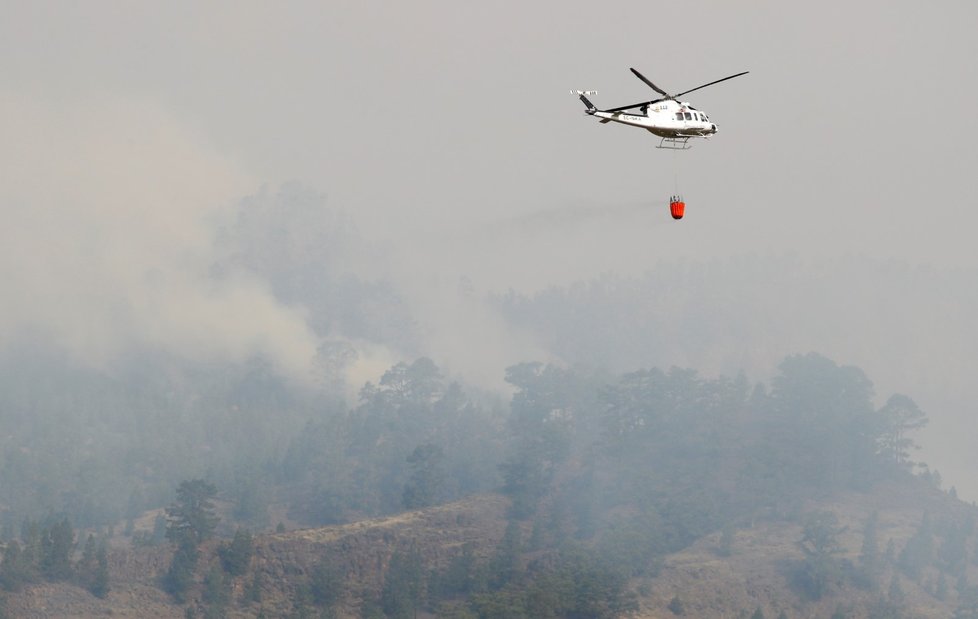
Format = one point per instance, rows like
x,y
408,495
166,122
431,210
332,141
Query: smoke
x,y
446,275
112,244
457,327
108,244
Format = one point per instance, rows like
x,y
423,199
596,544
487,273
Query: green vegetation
x,y
609,468
45,553
190,521
676,606
92,570
325,584
606,474
192,518
236,555
403,590
427,476
821,568
650,463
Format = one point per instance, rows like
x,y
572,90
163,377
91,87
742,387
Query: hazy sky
x,y
446,130
854,131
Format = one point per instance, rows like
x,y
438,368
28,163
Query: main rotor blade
x,y
651,85
712,83
630,107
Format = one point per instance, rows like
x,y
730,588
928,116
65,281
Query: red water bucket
x,y
677,208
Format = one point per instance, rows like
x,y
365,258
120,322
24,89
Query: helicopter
x,y
675,121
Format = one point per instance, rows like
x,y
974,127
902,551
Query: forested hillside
x,y
607,478
181,460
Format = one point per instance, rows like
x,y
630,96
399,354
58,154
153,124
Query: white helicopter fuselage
x,y
667,119
675,121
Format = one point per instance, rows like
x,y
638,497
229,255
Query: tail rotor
x,y
583,95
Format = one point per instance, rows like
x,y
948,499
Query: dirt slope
x,y
757,573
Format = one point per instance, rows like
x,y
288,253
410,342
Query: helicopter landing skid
x,y
680,143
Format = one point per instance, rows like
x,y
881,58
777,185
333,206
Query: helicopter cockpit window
x,y
689,116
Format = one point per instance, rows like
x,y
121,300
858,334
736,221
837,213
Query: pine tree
x,y
427,476
87,562
326,584
505,563
16,569
100,584
402,593
192,516
821,547
215,594
236,555
676,606
57,544
190,520
252,591
179,576
918,553
30,534
86,566
460,575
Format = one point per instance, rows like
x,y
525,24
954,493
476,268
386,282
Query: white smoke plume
x,y
107,243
